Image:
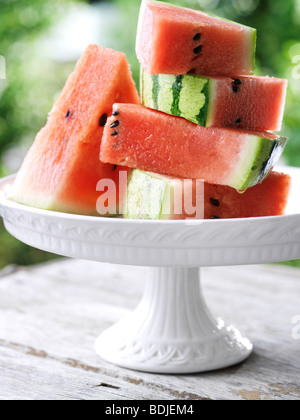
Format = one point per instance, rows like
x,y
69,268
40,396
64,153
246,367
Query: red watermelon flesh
x,y
250,102
173,40
153,141
266,199
62,168
154,196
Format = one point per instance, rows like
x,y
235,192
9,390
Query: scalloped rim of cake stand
x,y
158,243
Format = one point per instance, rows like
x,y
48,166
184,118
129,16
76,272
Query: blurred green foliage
x,y
33,81
26,96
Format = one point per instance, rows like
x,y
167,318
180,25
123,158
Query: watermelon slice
x,y
173,40
249,102
152,196
153,141
62,169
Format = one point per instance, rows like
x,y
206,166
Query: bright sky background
x,y
66,41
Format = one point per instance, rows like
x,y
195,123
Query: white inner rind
x,y
244,162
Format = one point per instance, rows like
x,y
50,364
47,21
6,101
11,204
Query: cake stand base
x,y
172,331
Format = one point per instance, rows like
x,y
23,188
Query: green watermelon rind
x,y
185,96
157,205
146,196
259,159
253,61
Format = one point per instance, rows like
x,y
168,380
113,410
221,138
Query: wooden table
x,y
50,316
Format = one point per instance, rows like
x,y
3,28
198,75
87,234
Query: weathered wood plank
x,y
50,316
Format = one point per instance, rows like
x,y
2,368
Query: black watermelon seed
x,y
68,114
103,120
197,37
116,113
237,82
198,50
215,217
114,134
238,121
215,202
235,89
115,124
115,167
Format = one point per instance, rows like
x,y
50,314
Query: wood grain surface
x,y
51,314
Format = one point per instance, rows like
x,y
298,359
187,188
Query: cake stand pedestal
x,y
172,330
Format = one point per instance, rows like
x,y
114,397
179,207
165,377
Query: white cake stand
x,y
172,330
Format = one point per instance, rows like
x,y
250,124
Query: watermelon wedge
x,y
173,40
153,196
150,140
62,169
249,102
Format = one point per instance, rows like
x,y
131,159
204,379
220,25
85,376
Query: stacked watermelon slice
x,y
61,171
204,116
